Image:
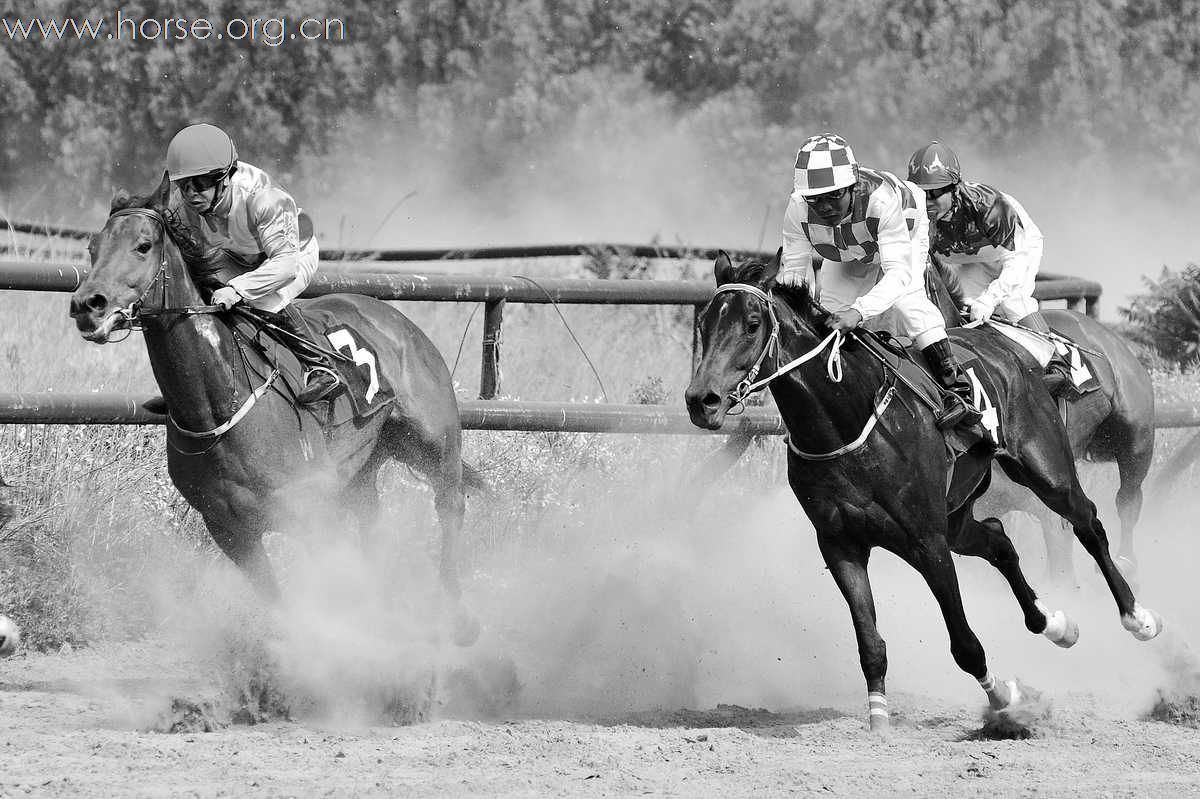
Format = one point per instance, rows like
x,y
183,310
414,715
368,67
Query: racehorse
x,y
870,469
240,451
1118,425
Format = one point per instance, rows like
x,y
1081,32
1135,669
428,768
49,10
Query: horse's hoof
x,y
1143,623
1005,695
881,728
1061,629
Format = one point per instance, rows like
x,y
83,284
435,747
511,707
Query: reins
x,y
136,310
833,369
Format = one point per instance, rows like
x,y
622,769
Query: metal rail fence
x,y
389,282
390,275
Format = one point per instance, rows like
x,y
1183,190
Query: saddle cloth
x,y
366,390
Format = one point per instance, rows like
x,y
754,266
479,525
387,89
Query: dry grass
x,y
100,536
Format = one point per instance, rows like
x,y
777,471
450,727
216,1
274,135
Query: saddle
x,y
367,389
897,354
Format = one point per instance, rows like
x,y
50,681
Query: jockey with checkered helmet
x,y
860,238
249,228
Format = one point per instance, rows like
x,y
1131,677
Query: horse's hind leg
x,y
439,458
245,549
1049,472
986,539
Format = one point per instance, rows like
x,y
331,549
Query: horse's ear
x,y
772,269
723,268
162,195
120,200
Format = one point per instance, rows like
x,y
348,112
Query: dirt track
x,y
73,725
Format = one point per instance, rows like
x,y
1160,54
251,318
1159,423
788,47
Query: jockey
x,y
249,228
864,233
986,238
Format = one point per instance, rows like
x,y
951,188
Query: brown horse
x,y
870,469
260,462
1115,425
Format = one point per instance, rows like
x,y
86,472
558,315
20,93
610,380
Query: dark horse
x,y
1116,424
870,469
277,466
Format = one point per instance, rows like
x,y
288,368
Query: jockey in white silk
x,y
248,228
860,238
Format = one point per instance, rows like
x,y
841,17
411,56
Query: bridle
x,y
749,385
134,312
833,368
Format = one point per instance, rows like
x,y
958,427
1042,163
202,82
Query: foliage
x,y
1167,317
1080,78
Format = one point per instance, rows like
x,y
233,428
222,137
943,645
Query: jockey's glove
x,y
981,310
226,297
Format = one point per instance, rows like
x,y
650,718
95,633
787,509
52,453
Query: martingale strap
x,y
883,399
233,420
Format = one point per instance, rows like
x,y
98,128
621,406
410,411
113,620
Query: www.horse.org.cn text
x,y
269,31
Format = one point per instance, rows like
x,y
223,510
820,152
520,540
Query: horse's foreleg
x,y
935,563
245,548
849,569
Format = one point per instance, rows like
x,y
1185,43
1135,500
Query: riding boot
x,y
1057,374
959,394
320,373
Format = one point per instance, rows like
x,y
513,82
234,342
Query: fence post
x,y
1091,306
489,373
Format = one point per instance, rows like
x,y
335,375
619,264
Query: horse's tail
x,y
474,481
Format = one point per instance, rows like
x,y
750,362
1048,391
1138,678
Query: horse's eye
x,y
753,325
144,248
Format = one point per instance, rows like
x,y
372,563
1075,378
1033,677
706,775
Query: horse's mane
x,y
798,298
177,228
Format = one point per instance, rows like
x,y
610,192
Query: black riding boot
x,y
320,373
959,393
1057,374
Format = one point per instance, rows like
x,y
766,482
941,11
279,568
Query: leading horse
x,y
870,469
239,450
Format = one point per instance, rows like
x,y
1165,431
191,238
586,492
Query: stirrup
x,y
316,388
959,413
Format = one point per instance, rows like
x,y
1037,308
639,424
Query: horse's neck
x,y
194,357
822,414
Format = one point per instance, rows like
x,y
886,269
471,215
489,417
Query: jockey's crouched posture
x,y
249,228
870,230
990,244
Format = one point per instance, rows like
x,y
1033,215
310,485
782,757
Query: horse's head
x,y
738,335
128,257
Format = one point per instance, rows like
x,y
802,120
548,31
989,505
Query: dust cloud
x,y
632,169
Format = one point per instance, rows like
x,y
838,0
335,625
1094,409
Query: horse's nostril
x,y
96,302
711,400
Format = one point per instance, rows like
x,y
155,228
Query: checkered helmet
x,y
933,166
824,163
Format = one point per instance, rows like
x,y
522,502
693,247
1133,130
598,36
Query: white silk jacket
x,y
258,222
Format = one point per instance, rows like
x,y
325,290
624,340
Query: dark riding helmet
x,y
933,166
